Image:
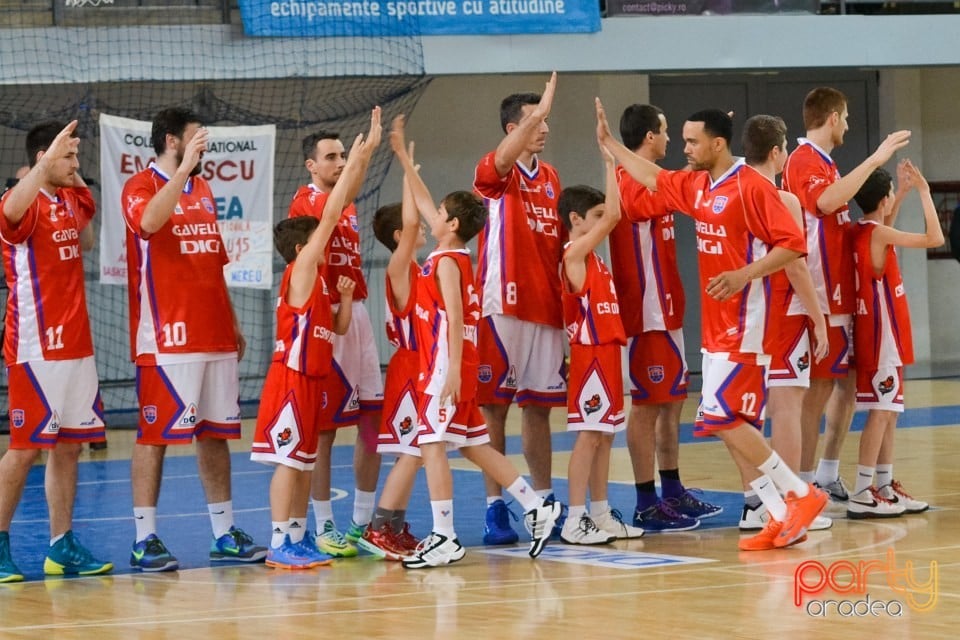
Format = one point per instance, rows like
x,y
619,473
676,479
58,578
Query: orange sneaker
x,y
764,541
800,513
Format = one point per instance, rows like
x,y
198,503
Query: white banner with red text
x,y
238,164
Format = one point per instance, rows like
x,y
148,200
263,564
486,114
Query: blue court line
x,y
103,513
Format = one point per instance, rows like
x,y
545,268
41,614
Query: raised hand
x,y
890,145
62,146
603,127
194,149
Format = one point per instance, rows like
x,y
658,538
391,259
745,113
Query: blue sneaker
x,y
496,526
236,545
150,554
8,571
690,505
68,557
661,518
293,556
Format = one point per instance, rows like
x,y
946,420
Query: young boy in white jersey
x,y
398,228
883,341
591,313
293,407
447,313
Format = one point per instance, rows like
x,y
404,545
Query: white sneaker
x,y
820,523
435,550
539,522
612,523
753,518
870,503
839,496
894,493
584,531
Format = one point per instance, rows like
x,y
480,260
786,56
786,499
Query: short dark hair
x,y
578,199
171,121
387,220
309,143
716,123
511,108
874,189
290,232
41,136
468,208
819,104
638,120
762,133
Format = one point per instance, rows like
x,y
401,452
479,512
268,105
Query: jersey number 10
x,y
175,335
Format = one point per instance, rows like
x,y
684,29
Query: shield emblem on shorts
x,y
655,373
17,417
150,413
485,373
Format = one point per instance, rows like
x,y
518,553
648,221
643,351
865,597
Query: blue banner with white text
x,y
327,18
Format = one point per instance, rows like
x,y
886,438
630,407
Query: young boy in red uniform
x,y
447,312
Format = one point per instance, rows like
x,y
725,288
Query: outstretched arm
x,y
398,268
518,138
932,237
799,277
574,264
421,194
312,254
23,194
448,279
842,191
641,169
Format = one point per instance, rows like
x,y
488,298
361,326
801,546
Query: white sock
x,y
783,477
770,497
864,478
297,528
828,471
322,513
146,520
221,517
523,493
751,499
600,507
492,499
544,493
574,513
808,476
364,503
443,517
56,539
884,474
278,534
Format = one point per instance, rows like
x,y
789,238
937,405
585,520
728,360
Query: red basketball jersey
x,y
305,334
47,305
178,296
431,326
592,314
739,217
343,248
521,244
643,255
807,174
401,322
881,328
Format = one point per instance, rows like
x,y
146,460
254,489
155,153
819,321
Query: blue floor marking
x,y
103,514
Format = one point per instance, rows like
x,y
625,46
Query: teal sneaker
x,y
67,557
333,543
8,571
355,532
150,554
238,546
